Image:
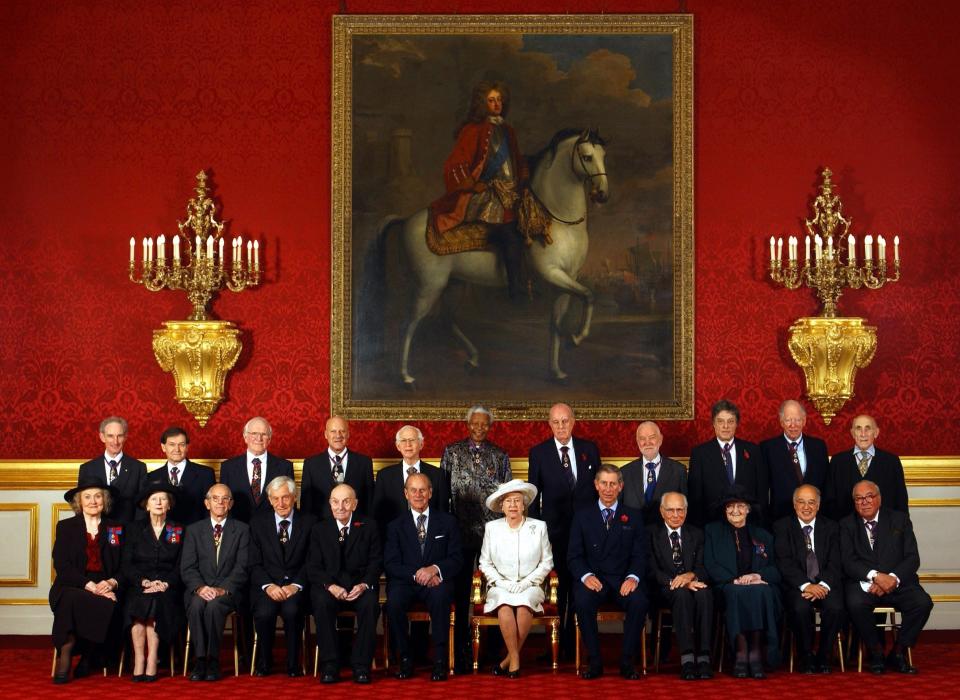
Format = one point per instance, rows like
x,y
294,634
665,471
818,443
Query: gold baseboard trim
x,y
935,502
940,577
946,598
25,601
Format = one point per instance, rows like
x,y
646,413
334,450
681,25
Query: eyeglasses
x,y
866,498
259,436
733,507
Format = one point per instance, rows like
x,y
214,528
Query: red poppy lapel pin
x,y
746,455
624,518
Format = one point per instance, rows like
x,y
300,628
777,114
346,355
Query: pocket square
x,y
439,537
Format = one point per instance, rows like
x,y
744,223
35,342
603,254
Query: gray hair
x,y
113,419
796,403
806,486
280,482
686,503
419,434
478,409
865,481
609,469
246,426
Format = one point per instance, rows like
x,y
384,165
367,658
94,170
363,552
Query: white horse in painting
x,y
563,173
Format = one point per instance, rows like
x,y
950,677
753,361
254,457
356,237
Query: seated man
x,y
422,558
808,556
213,568
608,560
344,572
880,559
279,542
679,580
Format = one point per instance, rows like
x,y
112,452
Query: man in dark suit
x,y
337,465
562,468
678,579
213,568
422,557
718,464
608,559
344,570
389,496
865,461
249,473
808,556
646,479
193,479
121,472
792,459
279,544
880,560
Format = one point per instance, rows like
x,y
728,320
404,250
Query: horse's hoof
x,y
409,383
561,378
471,367
572,342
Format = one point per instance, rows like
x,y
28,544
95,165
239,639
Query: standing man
x,y
344,570
646,479
865,461
279,544
475,468
808,556
608,557
718,464
389,497
880,560
121,472
337,465
793,459
193,479
247,475
679,579
484,175
422,558
213,567
562,468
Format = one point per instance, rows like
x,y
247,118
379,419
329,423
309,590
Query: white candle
x,y
819,242
882,245
161,247
221,251
249,254
830,247
851,249
772,253
807,250
176,247
144,250
256,254
210,247
896,248
133,244
868,248
780,249
197,245
150,249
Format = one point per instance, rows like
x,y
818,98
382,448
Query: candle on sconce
x,y
161,247
133,244
773,254
256,254
806,256
150,249
144,256
896,248
238,261
851,249
210,247
176,248
221,251
819,241
882,249
868,248
830,247
249,254
780,249
197,243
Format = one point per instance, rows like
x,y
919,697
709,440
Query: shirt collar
x,y
340,525
722,443
213,522
277,518
181,465
656,460
107,457
876,518
613,507
336,454
251,457
799,440
416,515
812,523
560,444
872,451
415,465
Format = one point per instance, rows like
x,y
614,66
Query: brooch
x,y
113,536
174,534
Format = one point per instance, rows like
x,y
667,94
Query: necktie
x,y
217,534
255,481
728,461
422,530
338,468
813,566
343,534
411,471
677,554
864,464
651,482
872,533
795,458
174,479
113,470
284,531
568,468
607,517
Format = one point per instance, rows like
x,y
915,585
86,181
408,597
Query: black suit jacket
x,y
782,476
660,568
896,550
195,481
131,477
401,554
272,562
318,483
707,480
886,471
70,555
791,549
359,561
388,500
672,477
556,503
614,553
200,565
233,474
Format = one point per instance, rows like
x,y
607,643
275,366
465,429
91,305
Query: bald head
x,y
562,422
343,501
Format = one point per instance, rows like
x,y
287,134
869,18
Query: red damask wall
x,y
109,109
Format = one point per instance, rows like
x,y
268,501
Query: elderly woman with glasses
x,y
515,558
740,561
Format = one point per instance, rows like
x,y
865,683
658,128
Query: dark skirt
x,y
749,608
166,608
83,614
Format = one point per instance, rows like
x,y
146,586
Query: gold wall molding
x,y
33,511
946,598
935,502
25,601
940,577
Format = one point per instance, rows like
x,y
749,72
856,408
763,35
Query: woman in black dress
x,y
86,556
151,567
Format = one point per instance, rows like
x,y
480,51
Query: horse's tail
x,y
368,339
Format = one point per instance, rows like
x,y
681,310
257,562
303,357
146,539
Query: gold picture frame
x,y
400,85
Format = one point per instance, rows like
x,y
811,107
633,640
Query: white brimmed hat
x,y
526,489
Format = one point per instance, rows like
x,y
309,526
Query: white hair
x,y
478,409
246,426
413,427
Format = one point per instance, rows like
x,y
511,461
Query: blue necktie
x,y
651,482
728,461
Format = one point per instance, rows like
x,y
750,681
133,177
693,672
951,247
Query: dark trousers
x,y
911,601
801,613
325,609
587,603
507,239
692,618
462,588
559,542
293,613
206,621
400,597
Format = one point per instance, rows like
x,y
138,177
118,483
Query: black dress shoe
x,y
361,676
147,678
82,669
137,678
330,674
213,673
629,672
261,672
704,670
899,663
688,672
876,664
756,671
439,672
61,678
406,668
513,674
499,670
199,670
592,673
740,670
294,672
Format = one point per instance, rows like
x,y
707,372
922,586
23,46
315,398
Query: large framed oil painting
x,y
512,219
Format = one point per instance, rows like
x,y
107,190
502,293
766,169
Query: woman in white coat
x,y
515,559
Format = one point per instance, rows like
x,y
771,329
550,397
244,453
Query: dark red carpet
x,y
25,673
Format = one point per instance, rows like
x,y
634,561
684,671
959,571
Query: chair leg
x,y
123,653
656,643
253,652
475,630
576,659
53,666
450,649
840,651
793,644
555,643
236,653
186,653
386,644
643,649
